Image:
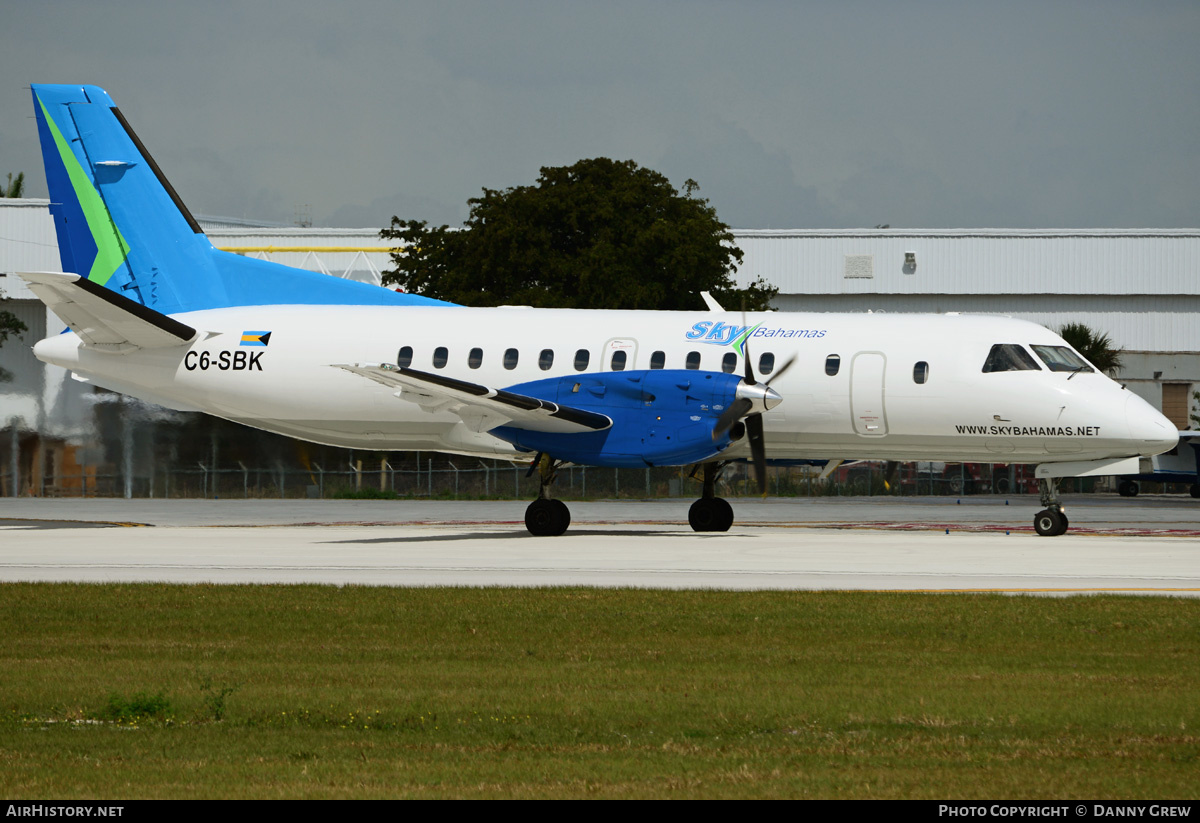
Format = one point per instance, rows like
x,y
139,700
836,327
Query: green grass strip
x,y
166,691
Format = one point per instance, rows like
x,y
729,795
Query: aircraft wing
x,y
103,319
481,408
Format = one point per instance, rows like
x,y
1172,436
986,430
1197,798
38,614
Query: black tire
x,y
547,518
705,515
1050,523
1127,488
563,517
724,515
1001,485
1196,490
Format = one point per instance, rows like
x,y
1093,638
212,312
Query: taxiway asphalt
x,y
1147,545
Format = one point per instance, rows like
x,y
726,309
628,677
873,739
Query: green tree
x,y
600,234
10,324
1095,346
14,188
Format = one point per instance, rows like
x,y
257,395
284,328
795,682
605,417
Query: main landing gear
x,y
1051,521
1129,488
711,513
546,517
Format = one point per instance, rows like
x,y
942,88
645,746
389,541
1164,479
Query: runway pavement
x,y
1148,545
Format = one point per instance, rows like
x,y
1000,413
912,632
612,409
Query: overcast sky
x,y
788,114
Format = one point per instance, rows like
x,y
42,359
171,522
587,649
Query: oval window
x,y
920,372
475,358
546,359
693,360
729,362
510,358
658,360
832,363
618,360
440,355
404,357
582,358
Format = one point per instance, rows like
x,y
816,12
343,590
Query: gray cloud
x,y
788,114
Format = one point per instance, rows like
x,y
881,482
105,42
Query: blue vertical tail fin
x,y
122,226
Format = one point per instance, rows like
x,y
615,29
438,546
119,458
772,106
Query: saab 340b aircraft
x,y
155,311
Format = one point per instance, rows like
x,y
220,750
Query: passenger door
x,y
867,372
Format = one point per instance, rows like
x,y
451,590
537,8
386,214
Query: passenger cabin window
x,y
546,359
693,360
510,359
404,356
729,362
1009,357
832,363
920,372
658,360
440,356
1060,358
766,363
618,360
475,358
582,357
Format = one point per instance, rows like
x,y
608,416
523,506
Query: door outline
x,y
868,394
627,344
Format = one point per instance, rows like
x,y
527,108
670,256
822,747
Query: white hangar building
x,y
1139,286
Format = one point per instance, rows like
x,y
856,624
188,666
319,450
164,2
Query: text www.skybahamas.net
x,y
1032,431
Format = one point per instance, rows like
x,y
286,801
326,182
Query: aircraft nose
x,y
1151,432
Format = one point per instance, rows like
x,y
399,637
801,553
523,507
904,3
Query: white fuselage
x,y
872,407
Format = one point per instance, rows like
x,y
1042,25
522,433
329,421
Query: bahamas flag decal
x,y
256,338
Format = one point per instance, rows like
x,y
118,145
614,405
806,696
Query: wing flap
x,y
103,319
480,407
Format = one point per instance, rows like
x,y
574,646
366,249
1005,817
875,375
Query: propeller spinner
x,y
751,399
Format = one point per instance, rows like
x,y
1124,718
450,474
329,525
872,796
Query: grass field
x,y
127,691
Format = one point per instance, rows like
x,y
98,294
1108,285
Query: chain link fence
x,y
466,479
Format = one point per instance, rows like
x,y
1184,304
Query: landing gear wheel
x,y
1129,488
547,517
1196,490
1050,523
710,514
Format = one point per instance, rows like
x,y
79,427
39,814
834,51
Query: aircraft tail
x,y
122,226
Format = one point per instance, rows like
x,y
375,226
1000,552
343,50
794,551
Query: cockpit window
x,y
1060,358
1009,357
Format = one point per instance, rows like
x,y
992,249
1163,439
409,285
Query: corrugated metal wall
x,y
27,243
358,254
1140,262
1134,322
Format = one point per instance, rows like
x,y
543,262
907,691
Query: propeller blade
x,y
734,412
779,372
758,450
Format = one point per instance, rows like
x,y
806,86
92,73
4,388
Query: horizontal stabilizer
x,y
104,319
481,408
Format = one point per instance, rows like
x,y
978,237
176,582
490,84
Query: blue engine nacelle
x,y
662,417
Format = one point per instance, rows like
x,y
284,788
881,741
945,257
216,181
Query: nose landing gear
x,y
1051,521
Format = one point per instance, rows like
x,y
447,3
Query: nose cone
x,y
1151,432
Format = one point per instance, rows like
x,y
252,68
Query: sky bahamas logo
x,y
719,333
